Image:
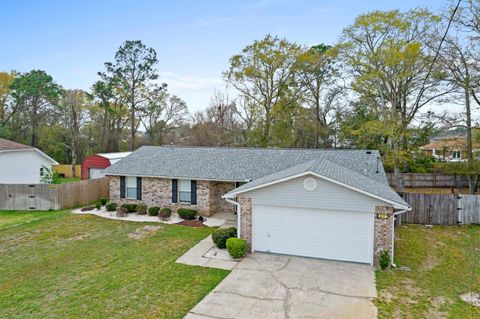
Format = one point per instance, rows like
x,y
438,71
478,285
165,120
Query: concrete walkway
x,y
206,254
271,286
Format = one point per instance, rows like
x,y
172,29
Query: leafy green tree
x,y
134,76
390,59
317,73
73,107
109,117
35,96
263,73
162,113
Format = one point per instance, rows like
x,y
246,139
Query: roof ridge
x,y
260,148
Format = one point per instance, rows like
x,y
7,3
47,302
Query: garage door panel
x,y
314,233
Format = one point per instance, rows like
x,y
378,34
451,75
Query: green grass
x,y
444,263
68,180
61,265
13,218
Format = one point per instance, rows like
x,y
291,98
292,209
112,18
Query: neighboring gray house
x,y
333,204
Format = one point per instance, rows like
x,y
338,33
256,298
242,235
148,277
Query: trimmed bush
x,y
122,211
221,235
111,207
141,209
187,213
237,247
98,205
153,211
165,213
384,259
103,201
132,208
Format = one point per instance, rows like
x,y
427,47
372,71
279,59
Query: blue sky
x,y
194,39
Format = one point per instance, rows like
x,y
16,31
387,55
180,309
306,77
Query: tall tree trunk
x,y
132,130
471,178
34,125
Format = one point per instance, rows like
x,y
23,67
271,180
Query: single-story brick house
x,y
332,204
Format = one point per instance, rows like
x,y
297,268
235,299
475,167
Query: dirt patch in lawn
x,y
192,223
143,232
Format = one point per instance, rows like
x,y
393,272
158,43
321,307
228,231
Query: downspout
x,y
393,234
237,204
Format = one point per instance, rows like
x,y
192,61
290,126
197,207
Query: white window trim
x,y
179,189
127,188
459,154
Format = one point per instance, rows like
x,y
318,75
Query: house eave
x,y
54,162
395,205
179,177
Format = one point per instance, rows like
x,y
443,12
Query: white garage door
x,y
313,233
96,173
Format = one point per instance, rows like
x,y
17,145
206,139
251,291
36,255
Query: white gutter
x,y
393,233
238,213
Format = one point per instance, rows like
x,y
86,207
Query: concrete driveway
x,y
271,286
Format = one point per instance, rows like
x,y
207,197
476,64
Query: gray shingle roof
x,y
236,164
361,169
326,168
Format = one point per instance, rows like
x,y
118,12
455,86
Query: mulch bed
x,y
88,208
191,223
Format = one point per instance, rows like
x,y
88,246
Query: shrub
x,y
111,207
384,259
153,211
187,213
103,201
165,213
122,211
141,209
237,247
221,235
98,205
132,208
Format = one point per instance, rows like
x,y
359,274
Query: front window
x,y
184,190
456,154
131,185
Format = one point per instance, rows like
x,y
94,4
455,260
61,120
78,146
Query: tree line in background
x,y
370,90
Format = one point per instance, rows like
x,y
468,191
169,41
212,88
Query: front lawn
x,y
12,218
60,265
444,263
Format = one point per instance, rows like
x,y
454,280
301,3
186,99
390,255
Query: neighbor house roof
x,y
9,146
236,164
329,170
114,157
449,143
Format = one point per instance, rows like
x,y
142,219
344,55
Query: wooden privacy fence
x,y
441,209
45,196
469,209
417,180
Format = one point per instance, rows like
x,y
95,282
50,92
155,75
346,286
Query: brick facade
x,y
383,232
158,192
246,220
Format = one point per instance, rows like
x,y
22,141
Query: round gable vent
x,y
310,184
